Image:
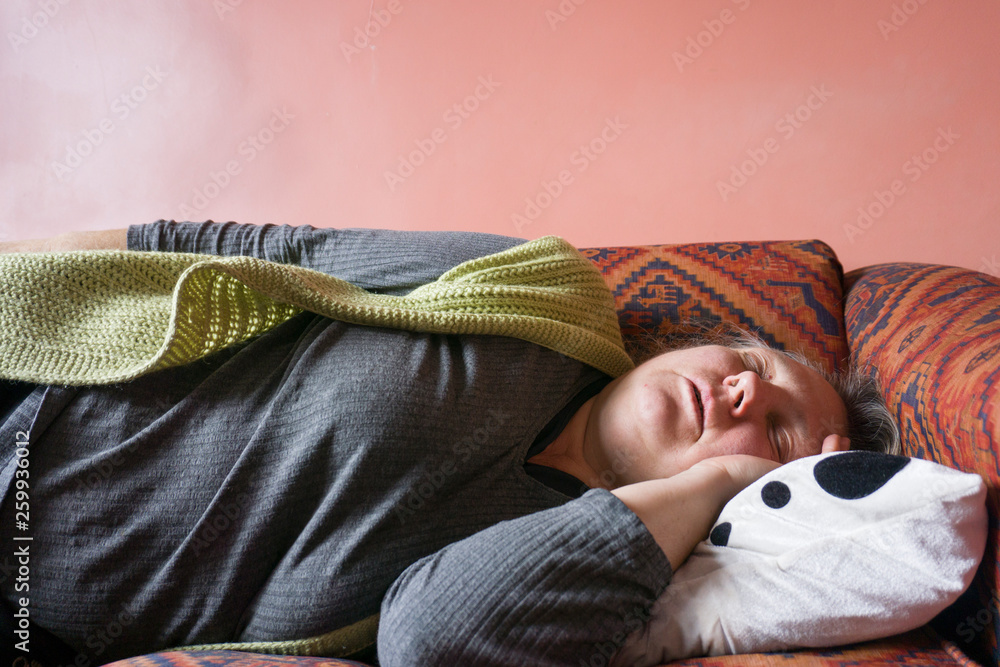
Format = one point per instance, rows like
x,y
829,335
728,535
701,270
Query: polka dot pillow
x,y
826,550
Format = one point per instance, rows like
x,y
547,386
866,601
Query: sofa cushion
x,y
920,647
934,334
230,659
787,291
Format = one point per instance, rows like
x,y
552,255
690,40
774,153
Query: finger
x,y
835,443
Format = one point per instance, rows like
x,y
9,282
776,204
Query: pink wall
x,y
645,120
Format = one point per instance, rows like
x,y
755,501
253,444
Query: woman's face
x,y
686,406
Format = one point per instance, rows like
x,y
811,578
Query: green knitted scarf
x,y
108,316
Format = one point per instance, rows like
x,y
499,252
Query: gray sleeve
x,y
379,260
560,587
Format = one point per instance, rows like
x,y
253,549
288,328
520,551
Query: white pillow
x,y
826,550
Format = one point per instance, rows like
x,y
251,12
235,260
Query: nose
x,y
744,392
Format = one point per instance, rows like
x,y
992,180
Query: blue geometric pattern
x,y
934,333
790,293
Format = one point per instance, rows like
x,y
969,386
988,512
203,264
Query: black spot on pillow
x,y
854,475
720,534
776,494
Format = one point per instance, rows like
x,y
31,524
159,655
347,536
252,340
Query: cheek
x,y
743,440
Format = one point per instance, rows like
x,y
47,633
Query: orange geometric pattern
x,y
229,659
787,291
934,334
917,648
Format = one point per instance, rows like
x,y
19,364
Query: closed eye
x,y
757,363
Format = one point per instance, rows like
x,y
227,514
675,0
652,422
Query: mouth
x,y
699,408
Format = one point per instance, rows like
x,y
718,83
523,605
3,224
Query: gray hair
x,y
870,424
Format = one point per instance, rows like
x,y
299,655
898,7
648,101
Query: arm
x,y
108,239
392,262
680,510
561,586
549,588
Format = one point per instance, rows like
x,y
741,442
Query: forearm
x,y
379,260
552,588
680,510
106,239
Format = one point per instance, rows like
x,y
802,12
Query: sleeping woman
x,y
482,499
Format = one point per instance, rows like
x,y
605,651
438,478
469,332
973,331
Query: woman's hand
x,y
742,470
679,511
107,239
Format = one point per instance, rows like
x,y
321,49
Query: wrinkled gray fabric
x,y
277,489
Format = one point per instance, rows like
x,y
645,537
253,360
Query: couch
x,y
932,332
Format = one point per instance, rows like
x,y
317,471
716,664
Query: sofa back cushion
x,y
933,332
789,292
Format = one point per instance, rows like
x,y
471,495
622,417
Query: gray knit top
x,y
322,472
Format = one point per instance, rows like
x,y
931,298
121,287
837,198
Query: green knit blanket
x,y
108,316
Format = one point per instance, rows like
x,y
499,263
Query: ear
x,y
835,443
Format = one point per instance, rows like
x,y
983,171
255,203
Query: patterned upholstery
x,y
934,334
914,648
229,659
789,292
